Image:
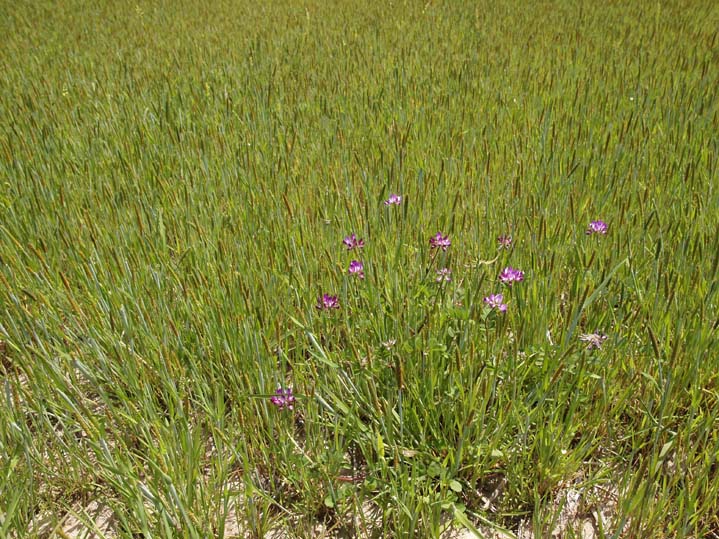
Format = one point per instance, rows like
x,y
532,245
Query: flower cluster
x,y
593,340
504,241
444,275
356,268
597,227
511,275
393,200
352,242
327,302
388,344
438,241
283,398
495,301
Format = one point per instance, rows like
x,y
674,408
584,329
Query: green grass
x,y
176,179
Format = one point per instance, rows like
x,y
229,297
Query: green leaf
x,y
461,517
434,469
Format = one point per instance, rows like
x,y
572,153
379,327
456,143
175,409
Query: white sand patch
x,y
93,521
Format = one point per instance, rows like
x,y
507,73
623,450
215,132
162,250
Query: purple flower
x,y
351,242
357,268
510,275
495,302
597,227
283,398
504,241
438,241
327,302
444,274
393,200
593,340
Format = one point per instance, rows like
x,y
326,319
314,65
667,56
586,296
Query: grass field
x,y
177,180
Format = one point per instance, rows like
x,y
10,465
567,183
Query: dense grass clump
x,y
191,337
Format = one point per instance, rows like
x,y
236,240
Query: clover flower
x,y
593,340
283,398
357,268
597,227
504,241
438,241
444,275
393,199
327,302
351,242
494,301
511,275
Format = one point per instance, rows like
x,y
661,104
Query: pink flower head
x,y
357,268
438,241
504,241
393,199
495,302
327,302
351,242
444,275
283,398
511,275
597,227
593,340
